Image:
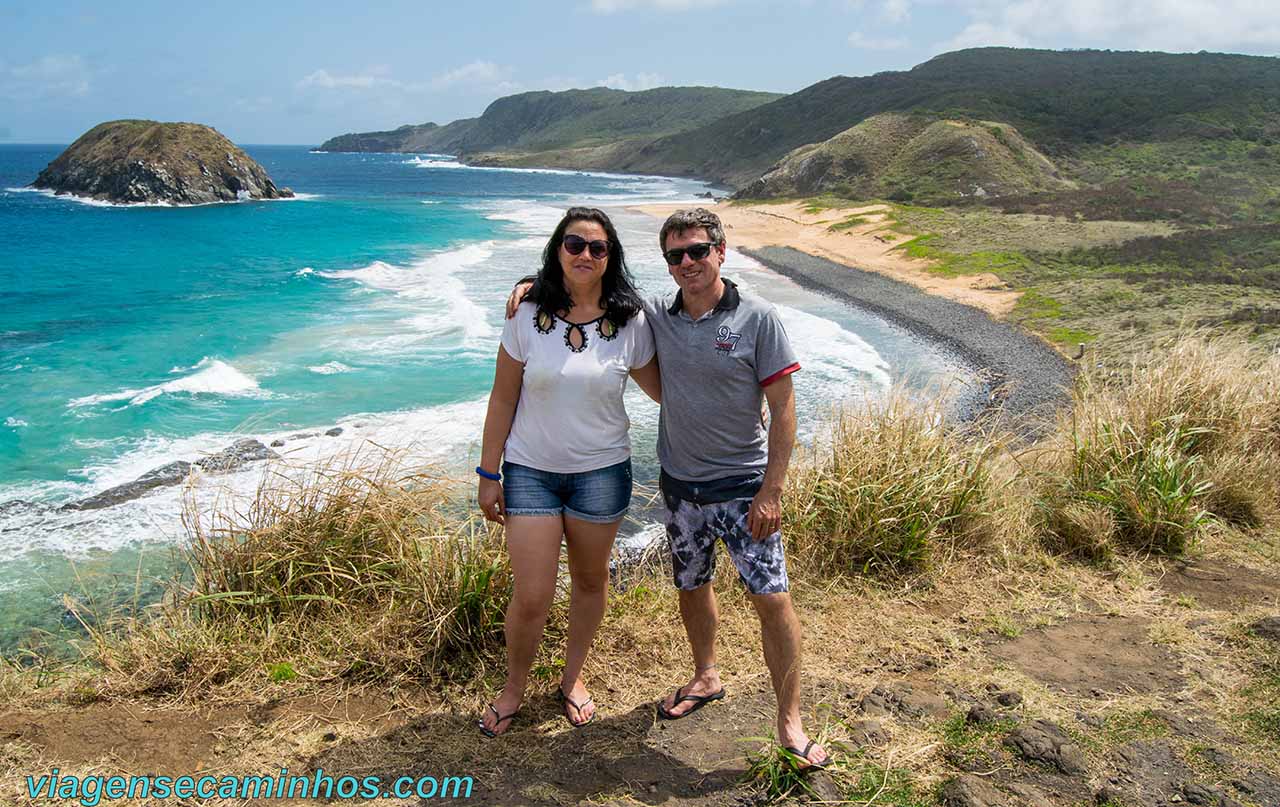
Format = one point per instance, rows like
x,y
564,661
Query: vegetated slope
x,y
904,157
547,121
127,161
1063,101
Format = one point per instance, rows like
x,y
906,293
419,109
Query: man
x,y
719,352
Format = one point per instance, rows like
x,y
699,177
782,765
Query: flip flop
x,y
699,701
811,766
566,702
488,732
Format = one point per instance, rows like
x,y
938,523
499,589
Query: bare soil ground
x,y
1022,683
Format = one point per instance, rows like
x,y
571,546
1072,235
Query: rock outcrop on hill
x,y
132,161
907,157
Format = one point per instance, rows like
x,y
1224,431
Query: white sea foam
x,y
445,437
15,423
435,292
212,377
330,368
304,271
241,196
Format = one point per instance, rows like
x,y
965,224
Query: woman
x,y
556,412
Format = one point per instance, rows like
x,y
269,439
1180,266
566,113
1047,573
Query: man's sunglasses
x,y
574,244
696,252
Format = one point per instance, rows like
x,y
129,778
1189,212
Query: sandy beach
x,y
869,247
1020,375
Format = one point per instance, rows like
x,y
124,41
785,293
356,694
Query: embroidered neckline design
x,y
545,323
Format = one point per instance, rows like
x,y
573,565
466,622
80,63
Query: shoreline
x,y
1022,378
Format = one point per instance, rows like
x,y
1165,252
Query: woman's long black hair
x,y
618,296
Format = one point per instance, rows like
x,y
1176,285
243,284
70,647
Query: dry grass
x,y
892,489
1148,459
347,574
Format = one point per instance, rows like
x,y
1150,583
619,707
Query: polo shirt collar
x,y
728,301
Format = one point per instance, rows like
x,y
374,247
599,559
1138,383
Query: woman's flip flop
x,y
566,702
488,732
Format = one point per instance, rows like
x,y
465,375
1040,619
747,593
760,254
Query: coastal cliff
x,y
142,161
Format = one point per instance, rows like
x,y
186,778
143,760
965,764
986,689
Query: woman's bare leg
x,y
533,544
589,545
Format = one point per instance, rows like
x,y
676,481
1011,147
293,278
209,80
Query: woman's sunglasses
x,y
574,244
696,252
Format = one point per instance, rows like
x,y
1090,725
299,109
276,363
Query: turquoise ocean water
x,y
131,337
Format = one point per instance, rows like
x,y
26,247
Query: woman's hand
x,y
490,498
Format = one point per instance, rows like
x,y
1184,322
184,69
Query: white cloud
x,y
860,40
328,81
54,76
642,81
610,6
1169,25
475,73
895,11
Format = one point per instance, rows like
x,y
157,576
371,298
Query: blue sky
x,y
279,71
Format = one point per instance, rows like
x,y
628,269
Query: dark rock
x,y
981,715
967,790
334,432
875,704
868,732
1107,794
906,700
1267,628
301,435
236,455
277,443
131,161
1030,795
1259,786
1042,741
164,476
1150,772
1009,699
1199,794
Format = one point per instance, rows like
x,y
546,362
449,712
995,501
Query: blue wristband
x,y
487,475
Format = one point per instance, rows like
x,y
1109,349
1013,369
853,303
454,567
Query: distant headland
x,y
143,161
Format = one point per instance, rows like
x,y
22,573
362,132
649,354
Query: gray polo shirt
x,y
714,371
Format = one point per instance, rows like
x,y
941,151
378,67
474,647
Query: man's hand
x,y
765,516
517,296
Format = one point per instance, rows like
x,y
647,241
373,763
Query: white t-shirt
x,y
570,417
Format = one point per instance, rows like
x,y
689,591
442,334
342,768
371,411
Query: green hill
x,y
1066,102
904,157
533,122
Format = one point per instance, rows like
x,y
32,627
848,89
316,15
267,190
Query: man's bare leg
x,y
780,633
701,616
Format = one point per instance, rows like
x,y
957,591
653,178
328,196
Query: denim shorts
x,y
601,496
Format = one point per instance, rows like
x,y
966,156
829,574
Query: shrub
x,y
891,488
1146,459
363,575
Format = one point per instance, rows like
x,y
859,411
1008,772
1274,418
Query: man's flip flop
x,y
566,702
488,732
812,766
699,701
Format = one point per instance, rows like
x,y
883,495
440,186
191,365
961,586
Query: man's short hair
x,y
693,219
